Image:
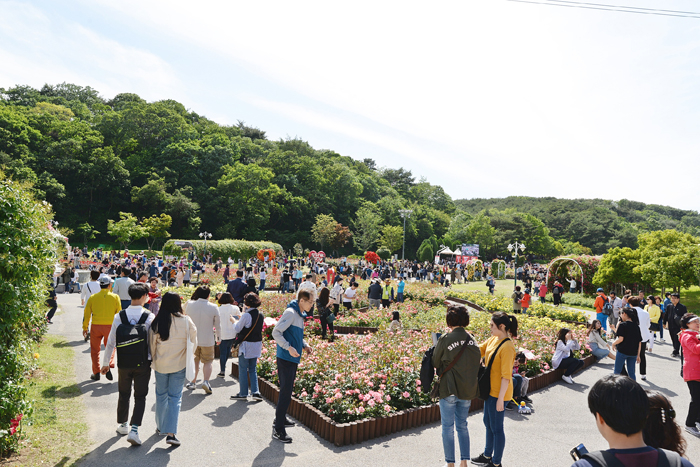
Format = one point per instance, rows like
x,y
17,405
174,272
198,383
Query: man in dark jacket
x,y
237,287
672,320
374,293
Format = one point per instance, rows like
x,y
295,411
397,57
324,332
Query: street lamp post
x,y
404,214
513,248
205,235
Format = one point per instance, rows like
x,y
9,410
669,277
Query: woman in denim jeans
x,y
249,331
458,386
503,326
167,339
628,343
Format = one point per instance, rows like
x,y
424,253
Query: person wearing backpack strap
x,y
129,334
503,326
456,356
621,408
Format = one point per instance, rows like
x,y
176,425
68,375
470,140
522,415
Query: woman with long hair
x,y
628,343
324,311
503,327
167,340
661,430
228,314
564,354
599,346
249,333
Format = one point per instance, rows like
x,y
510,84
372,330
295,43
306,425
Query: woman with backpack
x,y
503,326
167,339
517,300
456,357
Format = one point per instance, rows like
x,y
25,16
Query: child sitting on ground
x,y
520,381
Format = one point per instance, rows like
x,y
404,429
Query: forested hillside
x,y
595,223
93,157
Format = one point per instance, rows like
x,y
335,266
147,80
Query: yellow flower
x,y
36,356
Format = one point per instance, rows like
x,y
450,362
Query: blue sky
x,y
487,98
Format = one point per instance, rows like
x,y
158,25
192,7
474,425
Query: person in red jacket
x,y
543,291
690,341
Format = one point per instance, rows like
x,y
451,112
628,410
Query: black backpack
x,y
607,309
608,459
132,342
427,370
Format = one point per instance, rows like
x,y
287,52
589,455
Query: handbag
x,y
237,341
435,391
189,372
485,374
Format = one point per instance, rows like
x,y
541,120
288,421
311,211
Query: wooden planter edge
x,y
344,434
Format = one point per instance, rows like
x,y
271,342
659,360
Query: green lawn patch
x,y
56,433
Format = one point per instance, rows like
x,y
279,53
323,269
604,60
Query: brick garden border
x,y
344,434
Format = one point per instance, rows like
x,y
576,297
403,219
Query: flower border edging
x,y
344,434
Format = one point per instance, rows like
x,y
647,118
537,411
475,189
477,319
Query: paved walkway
x,y
216,431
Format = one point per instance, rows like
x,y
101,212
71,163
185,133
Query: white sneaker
x,y
133,438
123,429
207,387
644,377
693,430
568,379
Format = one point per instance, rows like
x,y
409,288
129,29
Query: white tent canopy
x,y
445,251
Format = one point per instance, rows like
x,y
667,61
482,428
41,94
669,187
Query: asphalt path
x,y
216,431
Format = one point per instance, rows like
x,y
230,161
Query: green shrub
x,y
573,299
242,249
384,253
27,254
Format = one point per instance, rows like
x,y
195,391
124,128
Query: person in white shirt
x,y
311,287
263,277
138,377
228,314
349,294
572,285
647,341
205,316
337,294
90,288
121,287
616,303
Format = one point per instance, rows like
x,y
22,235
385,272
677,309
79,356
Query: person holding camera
x,y
621,408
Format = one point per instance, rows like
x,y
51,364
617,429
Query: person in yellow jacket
x,y
101,307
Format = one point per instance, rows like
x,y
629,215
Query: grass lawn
x,y
56,433
691,299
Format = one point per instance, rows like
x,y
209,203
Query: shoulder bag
x,y
485,374
435,392
237,341
190,370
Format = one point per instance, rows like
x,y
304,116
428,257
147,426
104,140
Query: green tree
x,y
323,230
668,258
125,230
366,228
88,232
617,266
384,253
156,227
425,251
392,237
341,236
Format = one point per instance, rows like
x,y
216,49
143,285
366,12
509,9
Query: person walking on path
x,y
228,314
503,327
690,341
599,303
101,308
616,303
205,316
136,374
647,339
628,344
51,303
167,339
517,297
236,287
543,292
249,327
289,335
672,320
92,287
121,287
458,386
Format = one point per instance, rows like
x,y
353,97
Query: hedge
x,y
222,248
27,256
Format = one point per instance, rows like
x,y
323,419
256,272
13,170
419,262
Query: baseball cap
x,y
599,290
104,280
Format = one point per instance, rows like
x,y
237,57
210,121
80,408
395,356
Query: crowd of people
x,y
180,340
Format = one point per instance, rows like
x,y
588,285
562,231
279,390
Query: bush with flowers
x,y
372,257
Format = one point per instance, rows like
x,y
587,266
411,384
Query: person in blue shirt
x,y
289,335
399,290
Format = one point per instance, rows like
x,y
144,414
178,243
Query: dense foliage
x,y
593,223
27,252
221,248
93,158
